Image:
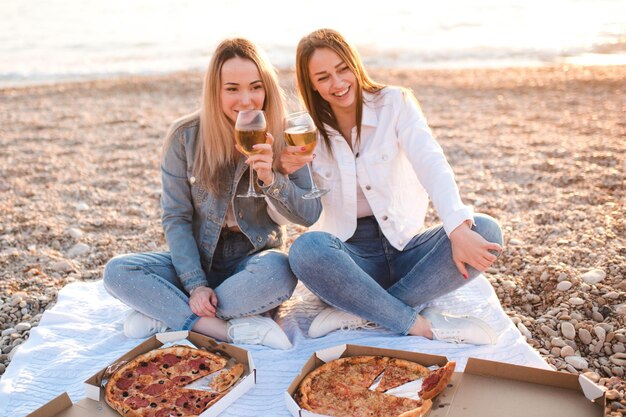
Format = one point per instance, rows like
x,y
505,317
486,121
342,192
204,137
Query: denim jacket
x,y
193,216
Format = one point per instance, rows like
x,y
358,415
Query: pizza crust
x,y
444,374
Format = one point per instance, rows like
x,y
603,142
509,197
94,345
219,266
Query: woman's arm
x,y
177,205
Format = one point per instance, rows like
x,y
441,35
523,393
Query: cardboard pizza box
x,y
94,405
485,388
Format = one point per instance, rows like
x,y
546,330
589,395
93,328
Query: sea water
x,y
56,40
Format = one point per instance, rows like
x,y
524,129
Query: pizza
x,y
343,387
436,381
153,384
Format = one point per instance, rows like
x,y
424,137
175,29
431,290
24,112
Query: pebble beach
x,y
543,150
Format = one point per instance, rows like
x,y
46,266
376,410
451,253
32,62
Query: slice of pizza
x,y
226,378
436,381
399,372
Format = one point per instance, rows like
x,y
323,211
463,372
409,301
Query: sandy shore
x,y
543,150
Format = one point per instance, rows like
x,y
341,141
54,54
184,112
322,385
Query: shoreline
x,y
541,149
443,67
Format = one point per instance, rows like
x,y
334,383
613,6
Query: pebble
x,y
600,332
21,327
7,332
576,301
515,242
585,336
75,232
593,376
612,394
82,206
62,266
618,359
567,351
594,276
524,331
78,250
577,362
568,330
597,316
564,285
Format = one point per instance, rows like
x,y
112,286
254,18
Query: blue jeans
x,y
244,284
368,277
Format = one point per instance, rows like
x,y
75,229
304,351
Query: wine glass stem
x,y
313,185
251,185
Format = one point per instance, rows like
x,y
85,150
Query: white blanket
x,y
82,333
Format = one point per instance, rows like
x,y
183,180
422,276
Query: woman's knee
x,y
488,227
307,244
116,272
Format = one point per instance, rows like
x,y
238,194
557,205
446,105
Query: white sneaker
x,y
257,330
331,319
140,326
459,329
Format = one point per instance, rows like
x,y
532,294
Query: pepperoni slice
x,y
200,364
184,400
123,383
165,412
155,389
181,380
147,368
136,402
170,359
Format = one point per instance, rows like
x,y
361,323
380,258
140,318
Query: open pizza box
x,y
485,388
94,404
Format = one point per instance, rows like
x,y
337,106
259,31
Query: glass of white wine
x,y
300,131
250,130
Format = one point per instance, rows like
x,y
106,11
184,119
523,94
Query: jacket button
x,y
385,217
259,239
275,192
368,187
192,180
240,214
385,157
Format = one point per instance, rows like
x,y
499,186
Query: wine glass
x,y
300,131
250,130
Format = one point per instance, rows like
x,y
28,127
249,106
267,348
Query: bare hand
x,y
263,160
292,160
469,247
203,302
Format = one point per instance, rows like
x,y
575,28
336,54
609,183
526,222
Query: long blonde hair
x,y
319,108
215,147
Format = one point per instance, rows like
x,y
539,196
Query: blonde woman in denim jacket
x,y
225,266
369,256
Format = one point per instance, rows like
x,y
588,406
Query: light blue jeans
x,y
244,284
368,277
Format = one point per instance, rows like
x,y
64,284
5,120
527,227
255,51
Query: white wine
x,y
302,136
248,138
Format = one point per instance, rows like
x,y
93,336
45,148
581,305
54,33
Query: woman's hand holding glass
x,y
263,160
301,136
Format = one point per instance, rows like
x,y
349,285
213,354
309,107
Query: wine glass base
x,y
247,195
314,194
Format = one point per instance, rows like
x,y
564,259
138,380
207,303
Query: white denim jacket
x,y
398,164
